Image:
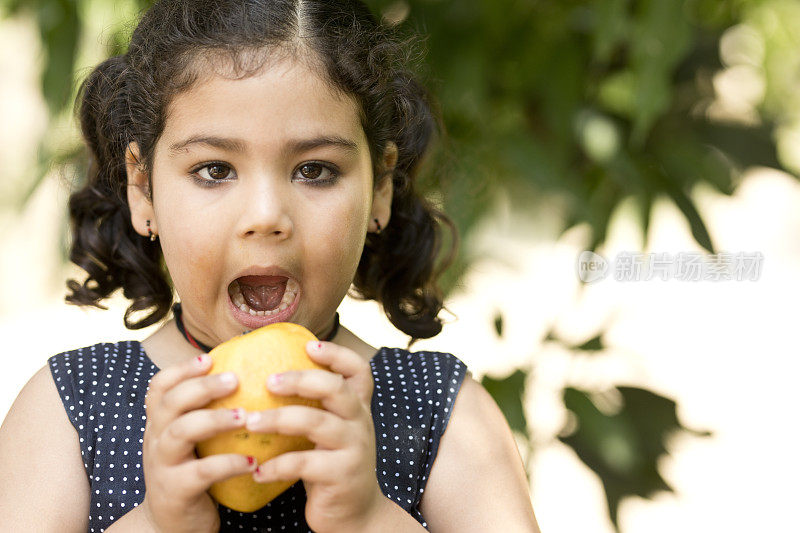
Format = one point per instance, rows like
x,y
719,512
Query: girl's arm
x,y
43,485
477,482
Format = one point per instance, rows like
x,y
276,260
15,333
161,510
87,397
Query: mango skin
x,y
253,357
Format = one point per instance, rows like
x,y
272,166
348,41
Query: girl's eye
x,y
214,171
317,172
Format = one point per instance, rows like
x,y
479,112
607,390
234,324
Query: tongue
x,y
262,294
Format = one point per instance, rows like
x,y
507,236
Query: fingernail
x,y
275,379
228,378
238,414
251,460
201,360
258,475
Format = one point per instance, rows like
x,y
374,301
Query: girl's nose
x,y
265,209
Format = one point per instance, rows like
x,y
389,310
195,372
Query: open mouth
x,y
262,295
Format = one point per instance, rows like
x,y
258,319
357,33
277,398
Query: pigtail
x,y
104,243
398,265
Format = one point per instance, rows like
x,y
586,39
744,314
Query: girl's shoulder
x,y
40,458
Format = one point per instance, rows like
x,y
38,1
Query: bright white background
x,y
726,351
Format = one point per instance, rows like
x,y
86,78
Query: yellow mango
x,y
253,357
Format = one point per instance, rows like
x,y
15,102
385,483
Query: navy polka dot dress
x,y
103,387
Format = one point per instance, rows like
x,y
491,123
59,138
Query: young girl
x,y
257,157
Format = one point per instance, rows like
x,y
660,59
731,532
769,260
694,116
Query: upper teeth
x,y
288,297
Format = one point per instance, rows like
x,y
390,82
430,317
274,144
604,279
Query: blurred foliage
x,y
591,102
624,448
620,434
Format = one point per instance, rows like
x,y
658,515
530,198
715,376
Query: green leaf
x,y
612,27
10,8
661,39
617,93
624,448
644,203
661,181
592,345
696,223
60,28
748,146
508,393
498,324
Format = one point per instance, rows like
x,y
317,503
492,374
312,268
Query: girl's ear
x,y
139,197
382,199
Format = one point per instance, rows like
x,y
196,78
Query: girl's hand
x,y
339,473
176,480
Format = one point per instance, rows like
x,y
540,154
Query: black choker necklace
x,y
176,310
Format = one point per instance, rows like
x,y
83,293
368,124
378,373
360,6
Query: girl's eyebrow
x,y
291,147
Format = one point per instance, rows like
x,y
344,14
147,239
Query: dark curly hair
x,y
125,98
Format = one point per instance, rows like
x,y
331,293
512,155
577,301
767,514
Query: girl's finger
x,y
341,360
326,430
166,379
331,389
196,392
180,437
313,466
199,474
346,362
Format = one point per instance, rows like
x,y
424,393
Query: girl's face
x,y
269,171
